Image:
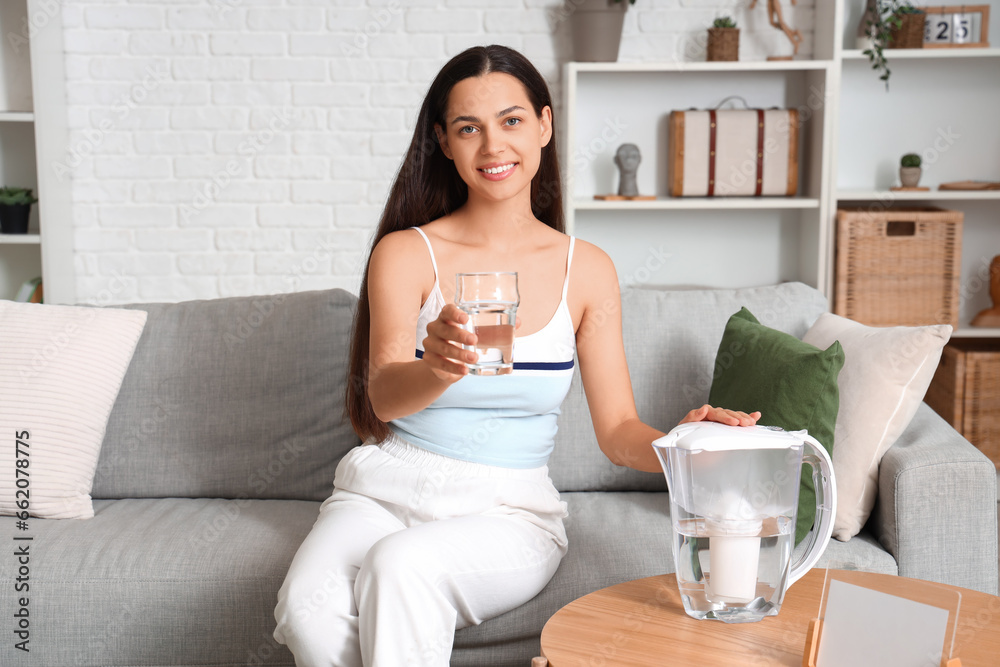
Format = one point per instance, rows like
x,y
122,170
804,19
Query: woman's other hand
x,y
443,350
721,415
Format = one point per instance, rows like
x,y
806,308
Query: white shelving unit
x,y
20,256
721,241
941,103
33,134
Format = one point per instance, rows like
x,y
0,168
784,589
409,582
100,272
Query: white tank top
x,y
502,420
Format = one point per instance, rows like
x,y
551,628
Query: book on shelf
x,y
30,291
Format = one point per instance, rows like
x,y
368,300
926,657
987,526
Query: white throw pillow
x,y
886,373
60,371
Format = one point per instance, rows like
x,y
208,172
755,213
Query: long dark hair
x,y
428,186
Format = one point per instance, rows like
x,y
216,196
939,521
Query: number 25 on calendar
x,y
952,28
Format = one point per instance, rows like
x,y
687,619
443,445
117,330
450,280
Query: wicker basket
x,y
909,34
966,392
898,266
723,44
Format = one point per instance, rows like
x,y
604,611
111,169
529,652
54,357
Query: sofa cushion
x,y
671,339
172,581
885,377
793,385
61,368
233,398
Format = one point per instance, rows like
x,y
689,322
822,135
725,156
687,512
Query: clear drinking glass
x,y
491,301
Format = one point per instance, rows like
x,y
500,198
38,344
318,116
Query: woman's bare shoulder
x,y
594,263
402,251
398,244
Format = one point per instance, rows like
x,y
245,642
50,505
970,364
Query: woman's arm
x,y
622,436
400,385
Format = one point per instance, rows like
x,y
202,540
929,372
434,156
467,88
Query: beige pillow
x,y
886,373
60,371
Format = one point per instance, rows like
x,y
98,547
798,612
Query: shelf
x,y
976,332
20,239
930,195
16,117
709,203
909,54
734,66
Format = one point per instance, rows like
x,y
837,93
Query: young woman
x,y
448,517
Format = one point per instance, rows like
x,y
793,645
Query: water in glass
x,y
491,301
493,324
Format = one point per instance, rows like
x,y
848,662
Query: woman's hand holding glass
x,y
443,350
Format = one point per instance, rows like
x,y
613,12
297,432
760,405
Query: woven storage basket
x,y
966,392
910,34
898,266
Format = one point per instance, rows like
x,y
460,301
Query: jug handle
x,y
826,507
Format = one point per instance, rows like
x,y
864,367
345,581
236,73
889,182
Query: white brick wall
x,y
231,147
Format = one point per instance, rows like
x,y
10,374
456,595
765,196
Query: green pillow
x,y
793,384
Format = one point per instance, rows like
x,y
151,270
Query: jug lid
x,y
713,436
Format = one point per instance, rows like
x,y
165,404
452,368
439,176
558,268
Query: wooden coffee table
x,y
642,622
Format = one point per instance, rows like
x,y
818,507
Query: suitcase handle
x,y
733,97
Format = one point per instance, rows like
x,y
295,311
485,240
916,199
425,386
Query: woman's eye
x,y
512,121
468,129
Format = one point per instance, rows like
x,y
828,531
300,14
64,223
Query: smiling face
x,y
494,136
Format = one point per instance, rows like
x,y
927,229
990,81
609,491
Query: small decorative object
x,y
30,291
957,26
909,33
970,185
723,40
991,316
865,36
909,172
627,158
15,209
777,19
596,27
884,24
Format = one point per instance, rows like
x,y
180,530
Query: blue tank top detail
x,y
505,420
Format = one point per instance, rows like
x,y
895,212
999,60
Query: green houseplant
x,y
723,40
890,24
596,28
15,209
909,170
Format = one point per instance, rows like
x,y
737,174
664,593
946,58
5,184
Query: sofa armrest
x,y
937,506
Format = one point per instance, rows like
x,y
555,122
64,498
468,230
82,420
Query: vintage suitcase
x,y
733,153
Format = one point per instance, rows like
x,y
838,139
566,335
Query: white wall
x,y
232,147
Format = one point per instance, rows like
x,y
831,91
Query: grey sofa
x,y
228,428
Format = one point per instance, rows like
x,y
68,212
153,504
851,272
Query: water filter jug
x,y
733,498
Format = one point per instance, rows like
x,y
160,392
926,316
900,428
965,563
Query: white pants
x,y
410,547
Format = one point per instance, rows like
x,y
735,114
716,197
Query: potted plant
x,y
15,209
909,31
890,24
596,27
909,170
723,40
